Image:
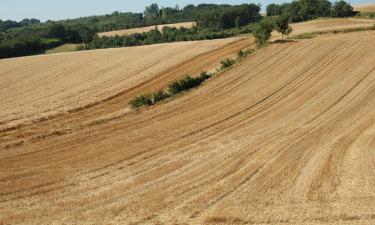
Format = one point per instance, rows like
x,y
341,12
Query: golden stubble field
x,y
145,29
365,8
285,137
34,88
330,24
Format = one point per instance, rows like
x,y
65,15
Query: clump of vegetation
x,y
302,10
174,88
35,39
243,54
30,36
282,25
227,63
184,84
262,32
187,83
169,34
143,100
160,96
366,15
342,9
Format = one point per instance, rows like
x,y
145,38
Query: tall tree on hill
x,y
152,12
341,9
282,25
262,32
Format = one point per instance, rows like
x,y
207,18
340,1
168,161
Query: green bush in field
x,y
184,84
143,100
159,96
227,63
282,25
243,54
176,87
262,32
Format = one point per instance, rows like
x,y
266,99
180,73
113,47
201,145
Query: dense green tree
x,y
152,12
324,8
56,31
262,32
341,9
282,25
226,16
86,35
302,10
273,10
9,24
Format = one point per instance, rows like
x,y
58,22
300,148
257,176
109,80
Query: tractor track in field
x,y
284,137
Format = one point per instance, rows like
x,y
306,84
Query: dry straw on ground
x,y
285,137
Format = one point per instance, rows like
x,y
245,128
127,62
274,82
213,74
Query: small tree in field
x,y
262,32
282,25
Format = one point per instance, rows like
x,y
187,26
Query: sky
x,y
64,9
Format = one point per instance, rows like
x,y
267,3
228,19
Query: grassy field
x,y
286,136
63,48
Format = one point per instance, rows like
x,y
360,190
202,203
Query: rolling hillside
x,y
35,88
284,137
365,8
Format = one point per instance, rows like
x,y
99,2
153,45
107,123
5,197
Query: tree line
x,y
31,40
302,10
168,34
9,24
212,22
30,36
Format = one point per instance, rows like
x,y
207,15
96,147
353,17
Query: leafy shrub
x,y
143,100
243,54
282,25
342,9
174,88
159,96
227,63
366,15
184,84
262,32
205,76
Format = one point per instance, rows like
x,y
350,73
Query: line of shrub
x,y
229,62
174,88
366,15
243,54
167,35
185,84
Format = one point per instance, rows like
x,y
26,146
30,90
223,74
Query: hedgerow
x,y
185,84
174,88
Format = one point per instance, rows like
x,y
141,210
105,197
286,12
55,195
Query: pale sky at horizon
x,y
58,10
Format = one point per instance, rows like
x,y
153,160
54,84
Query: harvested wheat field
x,y
365,8
331,24
285,137
38,87
145,29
